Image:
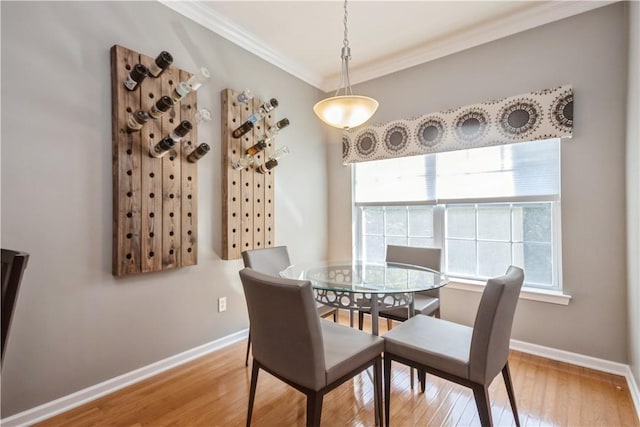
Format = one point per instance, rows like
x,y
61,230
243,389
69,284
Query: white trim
x,y
532,294
73,400
584,361
542,13
219,24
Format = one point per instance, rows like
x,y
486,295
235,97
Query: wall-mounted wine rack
x,y
155,208
248,202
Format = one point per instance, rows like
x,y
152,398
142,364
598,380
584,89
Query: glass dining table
x,y
362,285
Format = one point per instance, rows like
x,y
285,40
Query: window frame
x,y
439,231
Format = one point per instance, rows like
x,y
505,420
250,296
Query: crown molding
x,y
539,14
227,29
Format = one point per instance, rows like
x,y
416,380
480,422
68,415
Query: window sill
x,y
532,294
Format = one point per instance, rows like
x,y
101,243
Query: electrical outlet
x,y
222,304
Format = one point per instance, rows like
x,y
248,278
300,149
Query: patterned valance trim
x,y
533,116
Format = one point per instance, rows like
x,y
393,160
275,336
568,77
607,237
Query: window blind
x,y
521,171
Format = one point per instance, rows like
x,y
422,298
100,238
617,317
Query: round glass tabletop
x,y
366,277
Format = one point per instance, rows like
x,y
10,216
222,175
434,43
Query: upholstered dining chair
x,y
425,302
293,344
471,357
272,261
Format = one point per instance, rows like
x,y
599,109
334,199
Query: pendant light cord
x,y
346,56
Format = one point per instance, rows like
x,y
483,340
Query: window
x,y
486,207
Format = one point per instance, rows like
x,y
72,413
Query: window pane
x,y
373,220
373,248
494,222
395,221
461,257
422,242
420,221
461,222
538,267
493,258
402,241
536,220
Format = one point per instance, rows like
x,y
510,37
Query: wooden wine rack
x,y
247,196
155,201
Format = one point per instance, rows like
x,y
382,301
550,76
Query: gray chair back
x,y
285,328
267,260
424,257
492,327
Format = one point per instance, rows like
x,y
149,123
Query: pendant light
x,y
348,110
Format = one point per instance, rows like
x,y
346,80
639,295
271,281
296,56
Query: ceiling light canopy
x,y
348,110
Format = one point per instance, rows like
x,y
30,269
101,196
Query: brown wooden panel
x,y
247,201
171,179
151,218
149,232
189,171
247,205
231,196
126,170
269,182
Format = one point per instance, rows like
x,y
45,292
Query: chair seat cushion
x,y
432,342
346,348
423,304
324,310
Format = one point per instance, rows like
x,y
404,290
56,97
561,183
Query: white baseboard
x,y
584,361
88,394
63,404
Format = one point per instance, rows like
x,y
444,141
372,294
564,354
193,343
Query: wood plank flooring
x,y
213,391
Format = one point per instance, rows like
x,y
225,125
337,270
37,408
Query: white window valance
x,y
533,116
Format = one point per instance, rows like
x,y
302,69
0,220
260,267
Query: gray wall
x,y
633,188
75,325
590,52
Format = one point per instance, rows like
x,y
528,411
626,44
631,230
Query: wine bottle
x,y
248,158
162,147
180,91
162,61
135,76
193,84
136,121
181,130
199,79
253,119
273,130
203,115
198,153
244,96
273,160
162,106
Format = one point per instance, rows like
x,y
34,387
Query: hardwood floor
x,y
213,391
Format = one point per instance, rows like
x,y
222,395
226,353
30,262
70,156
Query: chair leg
x,y
335,316
389,324
481,395
246,359
377,391
387,389
314,409
360,320
506,374
422,379
252,391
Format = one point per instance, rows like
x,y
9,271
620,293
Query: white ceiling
x,y
305,37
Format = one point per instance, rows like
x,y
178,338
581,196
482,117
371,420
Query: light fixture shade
x,y
346,111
